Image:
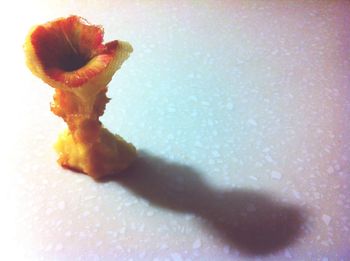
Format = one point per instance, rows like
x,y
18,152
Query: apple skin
x,y
69,53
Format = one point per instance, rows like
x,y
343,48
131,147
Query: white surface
x,y
240,110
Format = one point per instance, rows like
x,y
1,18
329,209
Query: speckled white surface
x,y
241,113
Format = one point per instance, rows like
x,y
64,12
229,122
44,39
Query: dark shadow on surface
x,y
249,220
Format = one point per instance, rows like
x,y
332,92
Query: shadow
x,y
251,221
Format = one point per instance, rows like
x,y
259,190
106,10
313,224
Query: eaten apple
x,y
69,55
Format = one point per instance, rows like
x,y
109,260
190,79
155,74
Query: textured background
x,y
240,110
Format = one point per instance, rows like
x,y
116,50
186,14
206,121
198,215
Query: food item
x,y
68,54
